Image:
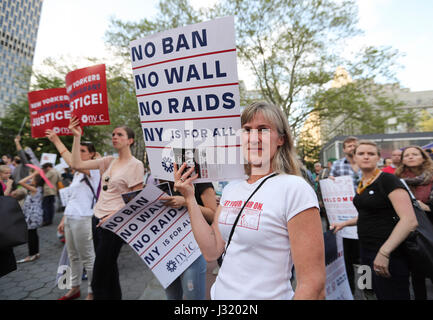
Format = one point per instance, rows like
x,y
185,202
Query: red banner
x,y
49,109
87,91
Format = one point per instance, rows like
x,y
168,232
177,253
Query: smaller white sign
x,y
160,235
337,284
60,167
338,197
65,195
48,158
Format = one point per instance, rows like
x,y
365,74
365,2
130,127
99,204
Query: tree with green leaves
x,y
16,113
122,105
425,121
291,46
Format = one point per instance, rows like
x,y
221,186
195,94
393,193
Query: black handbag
x,y
418,246
13,226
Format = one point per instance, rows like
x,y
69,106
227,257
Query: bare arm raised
x,y
76,162
208,208
207,236
24,184
61,148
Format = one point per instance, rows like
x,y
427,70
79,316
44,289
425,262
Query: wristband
x,y
63,151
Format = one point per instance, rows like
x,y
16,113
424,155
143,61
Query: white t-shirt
x,y
80,202
258,262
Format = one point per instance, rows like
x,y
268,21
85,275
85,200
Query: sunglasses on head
x,y
87,143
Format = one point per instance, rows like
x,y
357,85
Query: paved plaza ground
x,y
36,280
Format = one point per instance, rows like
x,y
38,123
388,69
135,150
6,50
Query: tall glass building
x,y
19,23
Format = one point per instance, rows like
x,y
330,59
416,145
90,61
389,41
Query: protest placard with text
x,y
160,235
337,285
338,197
188,99
87,91
49,109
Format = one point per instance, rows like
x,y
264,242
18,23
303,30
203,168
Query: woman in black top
x,y
381,198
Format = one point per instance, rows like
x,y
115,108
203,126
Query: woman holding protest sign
x,y
262,222
119,175
416,168
380,198
76,223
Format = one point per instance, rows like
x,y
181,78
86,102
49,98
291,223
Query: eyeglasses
x,y
105,187
261,131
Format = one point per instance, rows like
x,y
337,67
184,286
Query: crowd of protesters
x,y
289,193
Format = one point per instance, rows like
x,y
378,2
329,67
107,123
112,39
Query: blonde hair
x,y
285,159
4,168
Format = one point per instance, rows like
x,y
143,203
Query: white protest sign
x,y
65,195
188,99
48,158
337,285
63,162
338,200
61,166
160,235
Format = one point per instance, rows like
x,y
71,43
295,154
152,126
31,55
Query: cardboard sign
x,y
338,200
188,99
160,235
87,91
49,109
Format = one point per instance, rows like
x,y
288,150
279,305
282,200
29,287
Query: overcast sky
x,y
76,28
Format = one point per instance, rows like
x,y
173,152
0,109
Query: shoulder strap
x,y
242,209
95,198
412,197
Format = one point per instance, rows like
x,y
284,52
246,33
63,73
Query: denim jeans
x,y
191,283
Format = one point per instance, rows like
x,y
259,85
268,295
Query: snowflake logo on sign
x,y
171,266
167,164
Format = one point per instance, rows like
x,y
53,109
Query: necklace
x,y
362,187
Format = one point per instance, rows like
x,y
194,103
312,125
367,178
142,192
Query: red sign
x,y
49,109
87,91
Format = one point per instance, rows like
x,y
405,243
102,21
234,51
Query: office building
x,y
19,23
